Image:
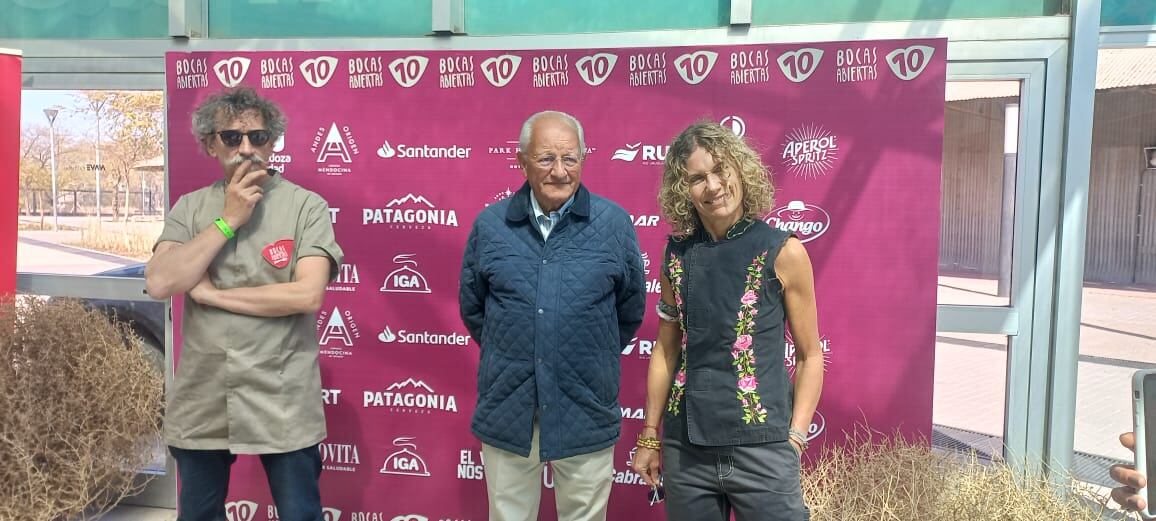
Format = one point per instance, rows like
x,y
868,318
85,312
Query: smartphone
x,y
1144,426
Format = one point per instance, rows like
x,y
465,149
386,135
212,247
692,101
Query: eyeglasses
x,y
547,161
232,138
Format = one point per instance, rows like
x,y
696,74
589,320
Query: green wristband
x,y
224,227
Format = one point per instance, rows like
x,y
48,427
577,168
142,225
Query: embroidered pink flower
x,y
742,343
749,297
680,379
748,384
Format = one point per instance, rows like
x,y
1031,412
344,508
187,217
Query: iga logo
x,y
240,510
232,71
810,151
695,67
798,65
807,221
318,71
499,70
405,279
736,124
409,70
413,396
405,462
908,63
594,69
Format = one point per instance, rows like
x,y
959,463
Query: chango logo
x,y
818,425
909,62
695,67
798,65
807,221
232,71
499,70
594,69
318,71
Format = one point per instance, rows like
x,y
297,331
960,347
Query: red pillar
x,y
9,166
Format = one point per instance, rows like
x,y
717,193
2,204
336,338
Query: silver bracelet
x,y
799,437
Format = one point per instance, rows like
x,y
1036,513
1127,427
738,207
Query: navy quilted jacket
x,y
551,318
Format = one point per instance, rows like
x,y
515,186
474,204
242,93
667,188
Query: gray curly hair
x,y
231,104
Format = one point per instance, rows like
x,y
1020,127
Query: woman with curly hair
x,y
732,426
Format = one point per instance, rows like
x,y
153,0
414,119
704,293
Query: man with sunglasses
x,y
252,253
552,289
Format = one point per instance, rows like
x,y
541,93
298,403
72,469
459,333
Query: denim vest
x,y
731,387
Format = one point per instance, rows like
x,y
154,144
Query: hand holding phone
x,y
1144,427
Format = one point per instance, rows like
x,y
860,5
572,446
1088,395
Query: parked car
x,y
146,317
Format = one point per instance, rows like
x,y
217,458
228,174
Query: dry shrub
x,y
888,478
79,411
133,240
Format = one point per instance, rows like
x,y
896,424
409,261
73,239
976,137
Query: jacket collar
x,y
519,209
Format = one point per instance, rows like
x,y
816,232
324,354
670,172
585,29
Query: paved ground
x,y
1117,336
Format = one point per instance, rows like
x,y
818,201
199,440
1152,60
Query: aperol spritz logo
x,y
810,151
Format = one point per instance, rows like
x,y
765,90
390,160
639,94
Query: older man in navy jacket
x,y
552,288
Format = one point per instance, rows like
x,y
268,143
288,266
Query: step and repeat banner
x,y
409,146
9,167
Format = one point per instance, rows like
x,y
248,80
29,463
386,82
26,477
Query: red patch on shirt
x,y
278,253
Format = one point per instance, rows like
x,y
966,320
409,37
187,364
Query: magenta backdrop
x,y
408,147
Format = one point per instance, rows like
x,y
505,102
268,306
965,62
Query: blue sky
x,y
33,103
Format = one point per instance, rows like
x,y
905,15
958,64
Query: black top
x,y
731,386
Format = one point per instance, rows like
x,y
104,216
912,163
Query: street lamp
x,y
51,113
99,166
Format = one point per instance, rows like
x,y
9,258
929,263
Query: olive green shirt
x,y
248,384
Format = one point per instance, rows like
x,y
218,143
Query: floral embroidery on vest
x,y
678,387
741,350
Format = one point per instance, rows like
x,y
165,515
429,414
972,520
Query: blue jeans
x,y
204,483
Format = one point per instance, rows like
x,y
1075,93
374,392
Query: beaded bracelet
x,y
666,311
648,442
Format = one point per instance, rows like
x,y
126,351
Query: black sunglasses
x,y
232,138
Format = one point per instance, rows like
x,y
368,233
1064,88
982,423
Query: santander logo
x,y
807,221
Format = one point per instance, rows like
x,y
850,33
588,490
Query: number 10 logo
x,y
908,63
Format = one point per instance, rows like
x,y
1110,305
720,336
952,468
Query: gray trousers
x,y
755,482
